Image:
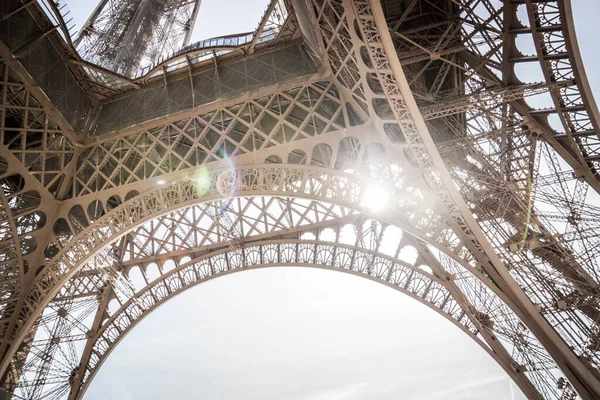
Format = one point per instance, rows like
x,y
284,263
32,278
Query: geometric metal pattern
x,y
30,133
264,122
125,35
491,216
552,32
341,188
151,256
235,76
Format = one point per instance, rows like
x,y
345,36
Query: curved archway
x,y
36,299
301,182
303,295
408,279
272,331
298,181
502,329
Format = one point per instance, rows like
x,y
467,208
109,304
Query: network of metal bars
x,y
135,165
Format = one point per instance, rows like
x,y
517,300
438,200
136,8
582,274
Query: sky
x,y
296,334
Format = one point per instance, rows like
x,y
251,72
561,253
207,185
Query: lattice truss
x,y
155,272
277,26
126,35
34,154
275,22
175,238
491,220
261,123
30,133
501,146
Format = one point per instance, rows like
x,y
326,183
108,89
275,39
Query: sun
x,y
375,197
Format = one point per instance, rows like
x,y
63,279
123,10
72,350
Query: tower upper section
x,y
124,35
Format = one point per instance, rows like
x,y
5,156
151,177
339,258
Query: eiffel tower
x,y
339,134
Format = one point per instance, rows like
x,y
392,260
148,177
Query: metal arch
x,y
220,263
198,228
66,261
276,180
455,276
250,217
193,222
267,180
555,274
535,365
341,160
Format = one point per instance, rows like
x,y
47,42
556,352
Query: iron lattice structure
x,y
122,187
124,36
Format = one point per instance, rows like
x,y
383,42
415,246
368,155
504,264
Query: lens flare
x,y
225,183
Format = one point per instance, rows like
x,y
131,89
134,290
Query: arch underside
x,y
326,141
318,235
413,214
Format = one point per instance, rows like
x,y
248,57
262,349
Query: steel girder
x,y
279,179
126,35
488,151
362,245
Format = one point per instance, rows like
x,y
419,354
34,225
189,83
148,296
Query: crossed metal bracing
x,y
482,49
420,96
259,123
488,59
30,133
362,246
157,248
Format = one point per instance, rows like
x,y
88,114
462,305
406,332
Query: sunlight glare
x,y
375,197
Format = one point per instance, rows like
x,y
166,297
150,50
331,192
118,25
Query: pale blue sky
x,y
297,334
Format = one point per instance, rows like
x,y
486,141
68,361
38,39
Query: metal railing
x,y
59,15
230,41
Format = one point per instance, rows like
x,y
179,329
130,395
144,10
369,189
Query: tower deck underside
x,y
122,189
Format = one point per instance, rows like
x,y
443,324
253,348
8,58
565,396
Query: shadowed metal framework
x,y
130,174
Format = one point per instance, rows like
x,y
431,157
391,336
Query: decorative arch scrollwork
x,y
408,279
495,324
